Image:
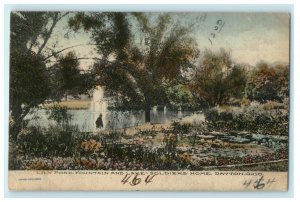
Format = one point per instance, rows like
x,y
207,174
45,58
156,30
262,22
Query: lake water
x,y
85,118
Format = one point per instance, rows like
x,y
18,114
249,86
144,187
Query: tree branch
x,y
74,59
55,20
67,49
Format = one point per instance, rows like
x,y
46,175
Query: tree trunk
x,y
147,114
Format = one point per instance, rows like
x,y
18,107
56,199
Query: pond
x,y
85,119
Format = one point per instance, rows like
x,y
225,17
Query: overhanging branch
x,y
67,49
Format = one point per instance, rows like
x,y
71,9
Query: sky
x,y
250,37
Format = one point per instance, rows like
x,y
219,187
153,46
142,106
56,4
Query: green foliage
x,y
69,71
254,119
26,27
68,79
37,74
38,142
181,128
110,31
180,96
148,56
212,115
268,83
143,133
217,79
29,79
61,116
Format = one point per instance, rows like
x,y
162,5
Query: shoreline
x,y
70,104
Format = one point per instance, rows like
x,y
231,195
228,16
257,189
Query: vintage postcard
x,y
167,101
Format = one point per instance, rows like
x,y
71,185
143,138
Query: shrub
x,y
254,118
181,128
225,116
212,115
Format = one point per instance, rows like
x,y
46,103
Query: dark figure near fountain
x,y
99,122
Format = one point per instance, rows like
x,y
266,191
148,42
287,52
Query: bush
x,y
181,128
212,115
39,142
61,115
225,116
255,119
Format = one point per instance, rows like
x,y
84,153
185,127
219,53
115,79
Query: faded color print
x,y
182,92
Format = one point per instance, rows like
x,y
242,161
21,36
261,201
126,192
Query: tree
x,y
217,79
32,79
180,97
268,83
282,81
140,56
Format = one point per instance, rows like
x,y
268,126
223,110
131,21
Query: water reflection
x,y
85,119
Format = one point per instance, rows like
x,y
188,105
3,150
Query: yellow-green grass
x,y
71,104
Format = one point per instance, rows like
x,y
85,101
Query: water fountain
x,y
155,114
98,106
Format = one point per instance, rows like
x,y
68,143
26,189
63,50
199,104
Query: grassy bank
x,y
70,104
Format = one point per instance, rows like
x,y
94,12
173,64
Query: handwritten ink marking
x,y
136,179
149,178
258,183
125,179
219,22
203,17
216,29
247,183
269,182
221,27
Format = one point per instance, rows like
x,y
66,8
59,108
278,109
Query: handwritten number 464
x,y
136,179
